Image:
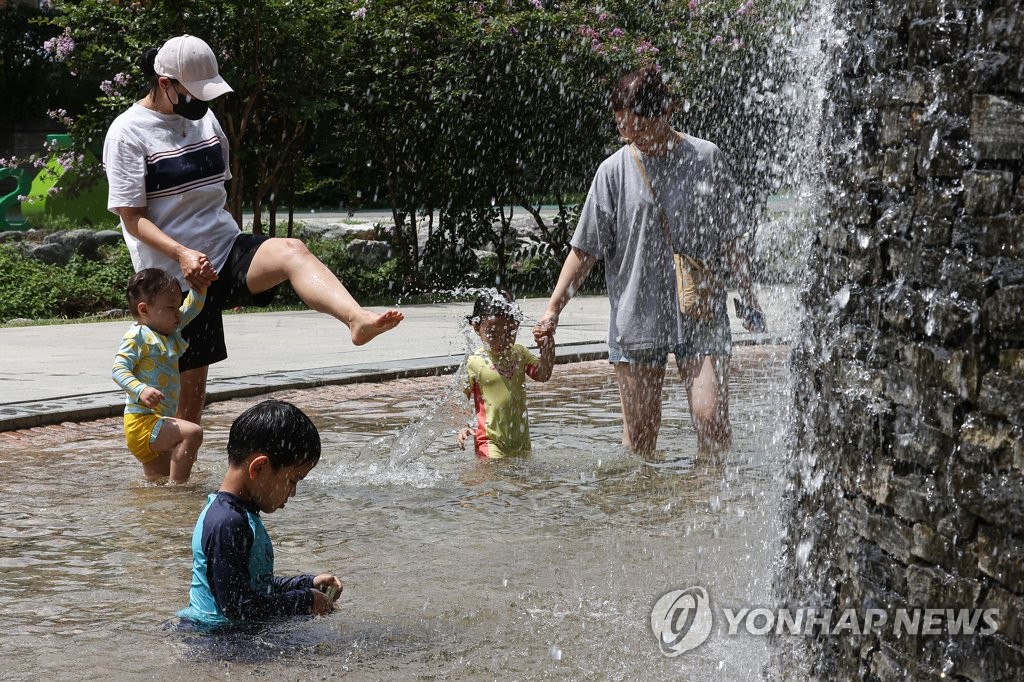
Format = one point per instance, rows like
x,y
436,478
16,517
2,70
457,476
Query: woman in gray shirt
x,y
663,186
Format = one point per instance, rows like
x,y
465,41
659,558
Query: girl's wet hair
x,y
276,429
643,92
494,303
145,285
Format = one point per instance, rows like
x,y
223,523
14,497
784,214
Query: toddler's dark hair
x,y
643,92
276,429
145,285
494,303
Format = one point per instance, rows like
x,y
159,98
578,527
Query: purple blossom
x,y
589,32
60,47
736,43
645,47
693,5
537,4
108,88
359,13
617,32
602,17
745,7
716,40
121,79
61,116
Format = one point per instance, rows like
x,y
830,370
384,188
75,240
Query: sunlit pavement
x,y
57,373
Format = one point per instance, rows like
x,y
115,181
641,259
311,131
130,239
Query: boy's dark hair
x,y
145,285
643,92
493,303
276,429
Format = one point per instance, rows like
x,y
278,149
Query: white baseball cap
x,y
191,62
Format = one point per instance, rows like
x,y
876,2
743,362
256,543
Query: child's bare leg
x,y
178,442
278,260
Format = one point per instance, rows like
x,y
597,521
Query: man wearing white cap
x,y
166,160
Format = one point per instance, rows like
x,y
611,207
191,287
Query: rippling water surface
x,y
541,568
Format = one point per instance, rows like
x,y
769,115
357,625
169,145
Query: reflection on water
x,y
545,567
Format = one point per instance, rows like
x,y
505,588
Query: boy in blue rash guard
x,y
271,447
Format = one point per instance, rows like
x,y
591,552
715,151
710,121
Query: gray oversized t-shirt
x,y
620,223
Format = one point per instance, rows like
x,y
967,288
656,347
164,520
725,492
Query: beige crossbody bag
x,y
695,282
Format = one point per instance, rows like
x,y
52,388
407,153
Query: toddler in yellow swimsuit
x,y
496,378
146,367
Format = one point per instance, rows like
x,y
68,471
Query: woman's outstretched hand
x,y
546,326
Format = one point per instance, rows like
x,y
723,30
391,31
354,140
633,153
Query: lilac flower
x,y
45,5
22,198
736,43
693,5
108,88
537,4
121,79
617,32
61,116
359,13
602,17
745,7
60,47
716,40
645,47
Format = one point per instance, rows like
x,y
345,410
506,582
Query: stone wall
x,y
908,482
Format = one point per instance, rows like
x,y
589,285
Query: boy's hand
x,y
151,397
325,582
322,604
545,341
326,590
463,435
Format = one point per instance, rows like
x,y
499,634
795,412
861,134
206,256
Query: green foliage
x,y
35,290
444,111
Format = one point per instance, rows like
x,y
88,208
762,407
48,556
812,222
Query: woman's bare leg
x,y
640,392
192,397
707,389
278,260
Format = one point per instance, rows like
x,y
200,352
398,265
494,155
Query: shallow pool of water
x,y
540,568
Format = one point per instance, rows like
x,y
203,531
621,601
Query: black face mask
x,y
189,107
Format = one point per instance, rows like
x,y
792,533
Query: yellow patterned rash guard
x,y
499,401
148,358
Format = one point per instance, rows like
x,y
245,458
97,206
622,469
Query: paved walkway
x,y
57,373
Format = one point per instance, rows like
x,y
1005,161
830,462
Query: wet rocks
x,y
911,393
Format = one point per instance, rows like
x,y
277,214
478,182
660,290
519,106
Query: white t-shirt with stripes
x,y
176,168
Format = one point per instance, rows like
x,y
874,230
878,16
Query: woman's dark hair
x,y
276,429
145,285
148,70
643,92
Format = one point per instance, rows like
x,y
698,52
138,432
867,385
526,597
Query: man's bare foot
x,y
369,324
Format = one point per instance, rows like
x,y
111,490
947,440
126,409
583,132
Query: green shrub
x,y
35,290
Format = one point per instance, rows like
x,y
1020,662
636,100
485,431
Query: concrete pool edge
x,y
92,406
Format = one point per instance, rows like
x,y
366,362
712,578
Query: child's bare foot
x,y
369,324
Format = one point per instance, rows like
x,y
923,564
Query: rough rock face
x,y
908,481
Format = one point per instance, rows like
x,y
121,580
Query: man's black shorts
x,y
205,333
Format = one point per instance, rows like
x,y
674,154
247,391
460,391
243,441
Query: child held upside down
x,y
496,378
